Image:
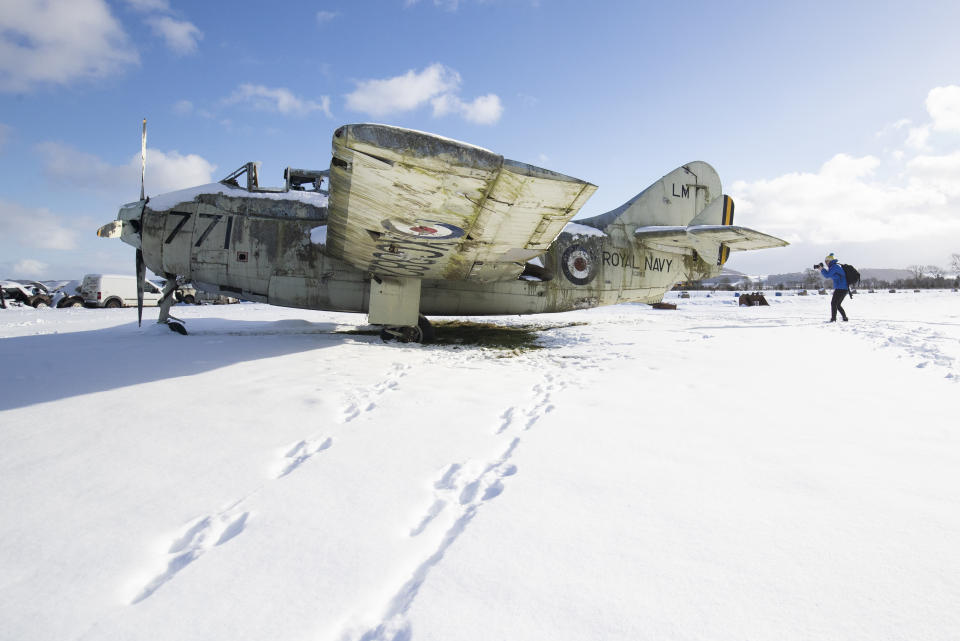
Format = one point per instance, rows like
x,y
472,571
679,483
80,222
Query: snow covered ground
x,y
714,472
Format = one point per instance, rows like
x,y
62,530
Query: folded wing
x,y
411,204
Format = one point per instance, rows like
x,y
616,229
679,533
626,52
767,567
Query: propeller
x,y
141,267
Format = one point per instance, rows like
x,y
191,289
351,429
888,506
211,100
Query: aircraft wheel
x,y
426,330
422,332
411,335
178,328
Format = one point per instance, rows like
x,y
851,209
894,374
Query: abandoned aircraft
x,y
406,224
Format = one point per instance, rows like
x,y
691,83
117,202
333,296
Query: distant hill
x,y
793,278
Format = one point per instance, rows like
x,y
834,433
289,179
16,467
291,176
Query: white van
x,y
113,290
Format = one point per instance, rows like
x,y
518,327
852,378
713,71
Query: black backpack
x,y
853,276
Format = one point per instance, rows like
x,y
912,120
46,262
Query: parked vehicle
x,y
26,292
113,290
66,294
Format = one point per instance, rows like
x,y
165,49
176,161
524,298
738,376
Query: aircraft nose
x,y
126,226
113,229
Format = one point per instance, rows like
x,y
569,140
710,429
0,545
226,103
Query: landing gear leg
x,y
166,301
422,332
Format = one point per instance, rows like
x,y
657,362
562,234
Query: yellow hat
x,y
829,258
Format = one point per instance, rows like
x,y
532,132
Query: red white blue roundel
x,y
578,265
427,229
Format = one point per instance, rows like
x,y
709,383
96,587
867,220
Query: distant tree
x,y
934,270
955,262
916,271
812,278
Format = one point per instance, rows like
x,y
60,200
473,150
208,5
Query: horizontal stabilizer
x,y
735,237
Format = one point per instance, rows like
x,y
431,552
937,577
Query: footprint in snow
x,y
198,538
301,453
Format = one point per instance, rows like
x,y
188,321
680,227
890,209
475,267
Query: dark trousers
x,y
838,295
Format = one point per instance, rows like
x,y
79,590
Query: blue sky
x,y
835,126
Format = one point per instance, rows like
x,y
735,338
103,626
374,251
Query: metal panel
x,y
395,301
177,238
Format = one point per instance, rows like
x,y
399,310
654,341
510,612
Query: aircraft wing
x,y
410,204
733,236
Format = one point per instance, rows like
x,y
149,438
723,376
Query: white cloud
x,y
449,5
30,268
437,85
485,110
149,5
324,17
845,202
918,137
943,105
166,171
181,36
937,174
278,99
35,228
58,42
403,93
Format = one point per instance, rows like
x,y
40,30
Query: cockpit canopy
x,y
294,179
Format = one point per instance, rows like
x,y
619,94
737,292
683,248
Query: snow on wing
x,y
410,204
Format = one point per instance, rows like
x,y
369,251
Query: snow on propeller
x,y
406,224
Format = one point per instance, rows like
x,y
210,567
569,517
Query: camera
x,y
818,266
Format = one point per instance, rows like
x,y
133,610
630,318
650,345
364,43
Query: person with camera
x,y
834,271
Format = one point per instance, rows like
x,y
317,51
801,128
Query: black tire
x,y
113,303
189,300
422,332
38,302
427,335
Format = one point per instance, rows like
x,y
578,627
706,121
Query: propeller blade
x,y
141,274
143,157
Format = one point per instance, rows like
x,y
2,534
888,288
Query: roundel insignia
x,y
578,265
427,229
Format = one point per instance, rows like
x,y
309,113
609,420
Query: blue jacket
x,y
835,271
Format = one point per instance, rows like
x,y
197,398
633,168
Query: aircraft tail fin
x,y
676,199
685,210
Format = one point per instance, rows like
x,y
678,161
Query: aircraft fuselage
x,y
274,251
